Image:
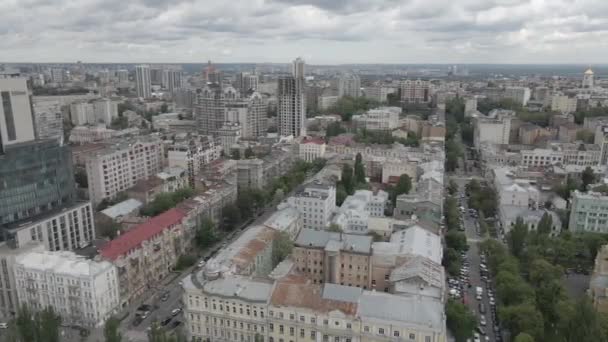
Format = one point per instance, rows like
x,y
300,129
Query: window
x,y
336,339
291,317
271,327
271,339
427,339
313,320
301,318
8,115
366,328
381,331
281,329
396,333
291,331
313,334
302,332
412,336
325,322
349,326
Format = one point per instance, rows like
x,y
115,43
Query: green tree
x,y
517,237
523,337
512,289
581,322
451,261
26,326
341,194
281,248
452,187
164,108
336,228
460,320
249,153
545,225
184,261
231,216
111,330
522,318
587,177
456,240
347,179
334,129
359,169
404,185
205,234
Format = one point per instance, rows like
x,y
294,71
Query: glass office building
x,y
35,178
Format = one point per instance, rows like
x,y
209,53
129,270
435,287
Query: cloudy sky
x,y
322,31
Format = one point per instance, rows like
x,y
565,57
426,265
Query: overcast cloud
x,y
322,31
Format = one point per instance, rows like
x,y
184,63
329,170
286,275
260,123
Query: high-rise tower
x,y
292,101
143,82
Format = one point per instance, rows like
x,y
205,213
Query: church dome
x,y
589,72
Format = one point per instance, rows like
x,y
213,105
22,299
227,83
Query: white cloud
x,y
330,31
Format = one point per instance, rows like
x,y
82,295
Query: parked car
x,y
166,321
176,312
165,296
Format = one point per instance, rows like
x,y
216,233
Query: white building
x,y
310,149
394,168
16,112
9,303
316,203
69,229
563,155
83,292
88,134
349,85
327,101
93,112
588,212
120,166
563,103
229,135
356,209
520,95
494,128
105,110
143,82
291,109
378,93
48,120
470,106
601,139
379,119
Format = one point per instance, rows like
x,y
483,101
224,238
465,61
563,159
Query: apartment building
x,y
67,229
379,119
89,134
378,93
589,212
93,112
568,132
316,203
415,91
120,165
562,154
193,153
310,149
9,302
145,254
519,95
250,173
495,128
83,292
563,103
356,209
337,258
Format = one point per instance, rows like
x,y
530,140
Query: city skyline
x,y
322,32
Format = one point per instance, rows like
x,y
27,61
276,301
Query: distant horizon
x,y
605,64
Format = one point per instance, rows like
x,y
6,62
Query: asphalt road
x,y
474,273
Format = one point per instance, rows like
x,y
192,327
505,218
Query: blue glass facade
x,y
35,178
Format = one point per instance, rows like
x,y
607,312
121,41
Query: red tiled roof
x,y
145,231
318,141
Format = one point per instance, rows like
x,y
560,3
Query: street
x,y
474,273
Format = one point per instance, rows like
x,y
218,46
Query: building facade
x,y
379,119
589,212
349,85
143,81
310,149
83,292
415,91
316,203
120,166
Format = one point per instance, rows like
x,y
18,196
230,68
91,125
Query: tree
x,y
522,318
281,248
587,177
523,337
164,108
456,240
110,330
26,325
336,228
359,169
341,194
347,179
106,227
460,320
581,322
451,261
545,224
231,216
512,289
452,187
334,129
184,261
249,153
517,236
158,334
404,185
236,154
205,234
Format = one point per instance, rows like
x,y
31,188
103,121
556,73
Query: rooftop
x,y
419,241
122,208
62,262
133,238
323,239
